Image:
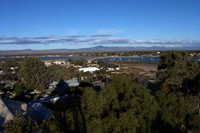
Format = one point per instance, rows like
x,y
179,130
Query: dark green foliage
x,y
175,67
57,72
101,63
121,107
93,62
1,88
6,68
192,85
194,123
165,87
80,62
18,90
33,73
20,125
172,108
9,63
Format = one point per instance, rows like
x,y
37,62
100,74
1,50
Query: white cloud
x,y
109,31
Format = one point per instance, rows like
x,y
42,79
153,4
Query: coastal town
x,y
16,99
35,88
99,66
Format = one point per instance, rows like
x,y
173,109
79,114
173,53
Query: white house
x,y
89,69
59,62
111,69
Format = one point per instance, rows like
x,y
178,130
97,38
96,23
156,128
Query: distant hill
x,y
93,49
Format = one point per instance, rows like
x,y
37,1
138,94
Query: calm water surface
x,y
144,59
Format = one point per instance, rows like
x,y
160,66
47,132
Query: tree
x,y
18,90
1,88
101,63
172,109
6,68
192,85
121,107
165,87
57,72
175,67
81,62
20,125
93,62
194,123
33,73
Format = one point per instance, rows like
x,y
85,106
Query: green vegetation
x,y
33,73
80,62
20,125
18,90
57,72
123,105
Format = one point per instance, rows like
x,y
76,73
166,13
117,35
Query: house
x,y
10,109
89,69
53,84
117,68
111,69
72,82
47,63
38,112
13,68
59,62
62,85
98,85
8,86
93,65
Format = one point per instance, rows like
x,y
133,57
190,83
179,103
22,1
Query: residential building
x,y
89,69
10,109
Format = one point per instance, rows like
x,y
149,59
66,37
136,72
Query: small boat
x,y
110,59
129,59
113,58
119,58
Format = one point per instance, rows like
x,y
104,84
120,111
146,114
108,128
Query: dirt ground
x,y
143,66
146,67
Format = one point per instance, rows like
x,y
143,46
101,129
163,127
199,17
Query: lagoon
x,y
140,59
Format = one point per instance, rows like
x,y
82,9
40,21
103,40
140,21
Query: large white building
x,y
89,69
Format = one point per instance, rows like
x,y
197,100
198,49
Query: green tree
x,y
18,90
20,125
57,72
175,67
121,107
8,72
194,123
101,63
34,73
172,109
93,62
81,62
1,88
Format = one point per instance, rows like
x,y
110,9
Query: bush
x,y
18,90
36,96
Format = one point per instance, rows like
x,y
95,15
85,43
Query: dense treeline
x,y
126,106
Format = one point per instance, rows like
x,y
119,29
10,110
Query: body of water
x,y
144,59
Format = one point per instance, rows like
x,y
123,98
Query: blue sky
x,y
70,24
